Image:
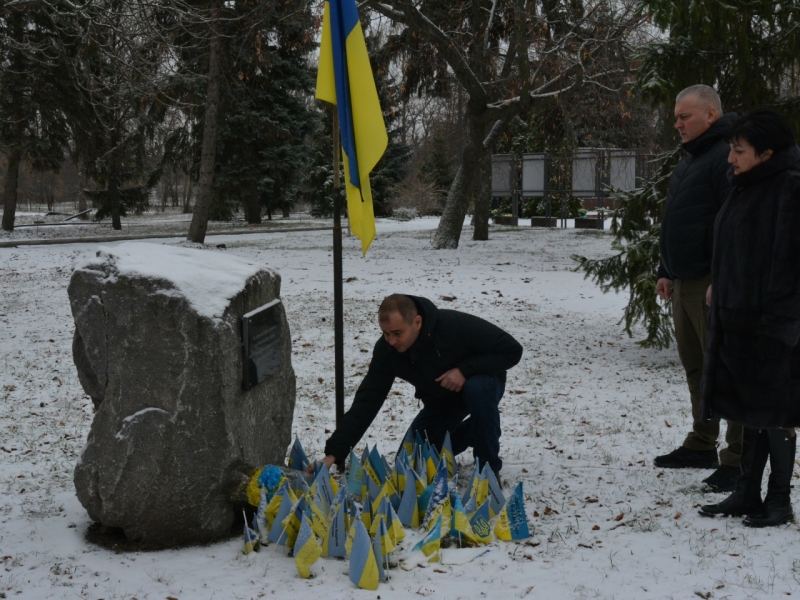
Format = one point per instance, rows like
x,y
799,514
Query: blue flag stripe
x,y
344,18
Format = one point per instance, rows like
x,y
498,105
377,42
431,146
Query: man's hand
x,y
452,380
327,461
664,288
708,296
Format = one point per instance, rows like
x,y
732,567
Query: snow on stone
x,y
206,278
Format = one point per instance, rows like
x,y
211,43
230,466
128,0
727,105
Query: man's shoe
x,y
723,479
683,458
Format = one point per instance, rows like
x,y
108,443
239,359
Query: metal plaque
x,y
502,175
534,175
585,173
261,343
622,169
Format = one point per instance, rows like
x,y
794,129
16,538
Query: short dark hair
x,y
398,303
763,129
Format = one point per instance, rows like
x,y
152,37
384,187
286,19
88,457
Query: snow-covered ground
x,y
583,415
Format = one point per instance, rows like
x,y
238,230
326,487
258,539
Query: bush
x,y
404,213
418,193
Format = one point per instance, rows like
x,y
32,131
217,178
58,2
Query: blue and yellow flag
x,y
512,522
297,456
363,567
306,550
447,453
409,511
345,80
431,543
480,524
251,539
496,498
356,476
277,534
335,537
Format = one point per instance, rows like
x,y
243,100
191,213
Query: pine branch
x,y
636,230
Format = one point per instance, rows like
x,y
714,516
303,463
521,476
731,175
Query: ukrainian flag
x,y
345,80
306,550
363,566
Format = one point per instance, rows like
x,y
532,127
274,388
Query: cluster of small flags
x,y
365,518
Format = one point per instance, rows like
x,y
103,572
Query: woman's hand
x,y
708,296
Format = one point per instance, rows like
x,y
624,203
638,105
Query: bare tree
x,y
509,56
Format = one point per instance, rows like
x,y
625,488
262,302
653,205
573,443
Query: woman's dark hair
x,y
763,129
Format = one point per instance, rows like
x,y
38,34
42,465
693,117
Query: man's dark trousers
x,y
476,424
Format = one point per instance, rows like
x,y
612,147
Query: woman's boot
x,y
746,497
777,506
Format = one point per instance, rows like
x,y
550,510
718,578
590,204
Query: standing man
x,y
698,187
457,363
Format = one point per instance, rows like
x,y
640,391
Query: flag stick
x,y
338,311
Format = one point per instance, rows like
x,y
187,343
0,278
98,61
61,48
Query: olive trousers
x,y
690,315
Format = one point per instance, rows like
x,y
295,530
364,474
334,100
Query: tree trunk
x,y
202,206
10,197
287,213
113,200
449,231
187,195
251,204
483,200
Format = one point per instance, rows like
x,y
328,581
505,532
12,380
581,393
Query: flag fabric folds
x,y
306,550
512,522
363,566
345,79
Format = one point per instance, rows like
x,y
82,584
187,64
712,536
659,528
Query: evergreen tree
x,y
33,88
115,67
267,117
635,229
749,49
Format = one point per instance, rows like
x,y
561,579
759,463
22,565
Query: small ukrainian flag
x,y
306,550
363,566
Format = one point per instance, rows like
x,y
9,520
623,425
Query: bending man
x,y
457,364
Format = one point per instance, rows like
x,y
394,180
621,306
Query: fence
x,y
586,176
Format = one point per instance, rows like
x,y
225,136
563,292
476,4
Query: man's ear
x,y
417,321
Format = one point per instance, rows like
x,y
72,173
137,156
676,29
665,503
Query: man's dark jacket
x,y
697,189
752,369
448,339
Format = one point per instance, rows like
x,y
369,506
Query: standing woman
x,y
752,370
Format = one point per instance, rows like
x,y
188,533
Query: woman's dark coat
x,y
752,368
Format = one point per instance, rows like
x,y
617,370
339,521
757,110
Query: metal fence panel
x,y
534,173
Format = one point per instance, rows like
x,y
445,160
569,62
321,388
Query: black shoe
x,y
723,479
735,505
774,512
683,458
777,507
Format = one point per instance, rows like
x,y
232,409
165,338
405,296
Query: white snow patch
x,y
127,420
208,279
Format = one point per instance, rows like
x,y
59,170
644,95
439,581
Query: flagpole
x,y
338,296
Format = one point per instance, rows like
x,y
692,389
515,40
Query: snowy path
x,y
583,416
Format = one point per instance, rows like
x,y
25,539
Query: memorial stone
x,y
158,346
